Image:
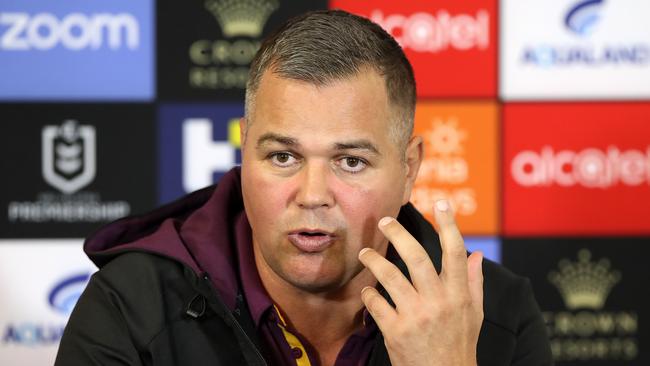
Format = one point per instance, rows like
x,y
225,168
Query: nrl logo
x,y
68,156
242,17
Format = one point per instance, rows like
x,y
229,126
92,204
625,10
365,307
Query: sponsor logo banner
x,y
569,167
451,45
576,49
75,50
211,58
197,145
71,168
591,293
460,162
40,282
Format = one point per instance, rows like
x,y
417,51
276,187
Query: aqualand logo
x,y
75,31
581,19
589,168
65,293
61,298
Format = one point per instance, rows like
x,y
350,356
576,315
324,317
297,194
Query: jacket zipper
x,y
234,321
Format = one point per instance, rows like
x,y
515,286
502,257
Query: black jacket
x,y
147,306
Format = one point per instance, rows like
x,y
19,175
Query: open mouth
x,y
312,234
311,241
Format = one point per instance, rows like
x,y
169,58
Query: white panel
x,y
30,270
557,66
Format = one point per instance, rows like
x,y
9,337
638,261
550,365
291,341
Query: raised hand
x,y
437,318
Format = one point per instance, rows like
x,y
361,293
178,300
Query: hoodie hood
x,y
197,230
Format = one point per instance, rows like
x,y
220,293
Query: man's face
x,y
319,170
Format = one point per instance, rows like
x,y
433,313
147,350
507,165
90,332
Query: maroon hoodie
x,y
199,230
202,230
209,232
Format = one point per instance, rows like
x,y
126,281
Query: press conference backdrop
x,y
535,115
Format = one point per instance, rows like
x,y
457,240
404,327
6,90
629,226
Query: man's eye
x,y
352,164
282,159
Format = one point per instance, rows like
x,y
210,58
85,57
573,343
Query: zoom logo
x,y
75,31
65,294
583,17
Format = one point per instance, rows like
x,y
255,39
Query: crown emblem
x,y
242,17
584,284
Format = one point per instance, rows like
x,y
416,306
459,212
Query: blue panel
x,y
171,119
77,50
490,246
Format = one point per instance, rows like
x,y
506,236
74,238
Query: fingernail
x,y
385,221
363,251
365,288
442,205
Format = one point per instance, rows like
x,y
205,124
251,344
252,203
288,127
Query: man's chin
x,y
320,281
315,282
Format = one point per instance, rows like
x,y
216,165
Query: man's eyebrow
x,y
274,137
271,137
357,145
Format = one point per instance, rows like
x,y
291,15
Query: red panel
x,y
451,44
576,169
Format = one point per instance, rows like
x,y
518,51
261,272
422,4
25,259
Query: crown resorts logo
x,y
583,17
242,17
584,284
588,331
222,64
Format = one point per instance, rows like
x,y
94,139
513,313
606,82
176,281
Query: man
x,y
287,261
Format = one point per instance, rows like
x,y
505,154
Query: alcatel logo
x,y
590,168
425,32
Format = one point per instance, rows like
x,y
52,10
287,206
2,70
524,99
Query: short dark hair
x,y
327,45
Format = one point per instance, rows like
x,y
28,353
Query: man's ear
x,y
413,156
242,132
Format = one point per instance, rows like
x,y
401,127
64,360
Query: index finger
x,y
423,274
454,254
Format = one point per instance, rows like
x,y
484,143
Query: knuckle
x,y
426,318
463,300
422,261
445,312
458,252
392,275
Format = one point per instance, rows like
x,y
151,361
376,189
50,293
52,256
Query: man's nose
x,y
313,187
